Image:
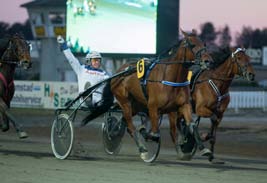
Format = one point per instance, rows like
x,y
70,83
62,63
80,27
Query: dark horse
x,y
14,51
210,92
160,94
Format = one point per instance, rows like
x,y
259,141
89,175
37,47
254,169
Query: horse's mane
x,y
5,39
220,56
169,51
4,43
174,46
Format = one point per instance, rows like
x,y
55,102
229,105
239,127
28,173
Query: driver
x,y
89,74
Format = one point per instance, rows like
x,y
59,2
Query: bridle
x,y
11,49
242,69
197,50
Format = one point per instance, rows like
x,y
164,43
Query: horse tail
x,y
108,96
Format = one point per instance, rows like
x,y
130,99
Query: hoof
x,y
154,136
185,157
217,161
144,155
205,152
142,130
204,137
181,155
22,135
5,127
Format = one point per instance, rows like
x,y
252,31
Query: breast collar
x,y
8,88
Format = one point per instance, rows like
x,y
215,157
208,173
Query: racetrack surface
x,y
241,143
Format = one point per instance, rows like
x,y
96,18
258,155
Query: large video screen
x,y
112,26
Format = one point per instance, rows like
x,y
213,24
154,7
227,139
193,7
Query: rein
x,y
197,54
9,62
177,62
214,78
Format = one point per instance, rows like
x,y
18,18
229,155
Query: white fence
x,y
51,95
248,99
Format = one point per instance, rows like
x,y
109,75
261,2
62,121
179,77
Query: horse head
x,y
243,65
17,52
198,50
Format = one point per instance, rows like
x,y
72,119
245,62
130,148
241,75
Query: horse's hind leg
x,y
21,133
9,117
154,119
138,138
173,131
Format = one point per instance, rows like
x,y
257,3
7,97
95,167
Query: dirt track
x,y
242,144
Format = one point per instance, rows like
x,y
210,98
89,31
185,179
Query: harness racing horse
x,y
210,93
165,89
14,51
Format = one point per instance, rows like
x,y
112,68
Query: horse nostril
x,y
207,62
251,76
26,64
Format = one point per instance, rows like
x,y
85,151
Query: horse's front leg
x,y
127,114
193,129
215,121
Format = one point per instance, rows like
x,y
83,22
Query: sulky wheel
x,y
62,136
112,132
152,145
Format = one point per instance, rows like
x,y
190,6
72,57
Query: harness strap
x,y
194,78
218,93
2,77
169,83
143,81
214,87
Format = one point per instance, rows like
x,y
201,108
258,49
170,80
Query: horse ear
x,y
232,49
194,31
184,33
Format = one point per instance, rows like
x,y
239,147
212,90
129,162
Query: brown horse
x,y
14,51
210,92
159,94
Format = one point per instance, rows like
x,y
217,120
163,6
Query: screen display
x,y
112,26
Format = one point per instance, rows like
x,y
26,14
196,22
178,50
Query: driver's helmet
x,y
92,54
